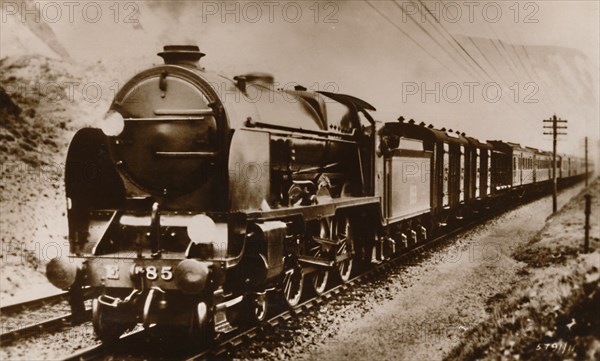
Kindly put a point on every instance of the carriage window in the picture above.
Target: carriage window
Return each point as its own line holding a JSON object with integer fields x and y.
{"x": 411, "y": 144}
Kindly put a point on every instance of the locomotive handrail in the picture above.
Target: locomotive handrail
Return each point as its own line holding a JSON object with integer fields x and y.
{"x": 164, "y": 119}
{"x": 318, "y": 168}
{"x": 207, "y": 111}
{"x": 187, "y": 154}
{"x": 325, "y": 133}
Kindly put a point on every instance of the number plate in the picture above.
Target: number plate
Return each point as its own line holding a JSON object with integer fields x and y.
{"x": 153, "y": 273}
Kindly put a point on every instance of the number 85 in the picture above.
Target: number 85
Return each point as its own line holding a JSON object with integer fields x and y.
{"x": 166, "y": 273}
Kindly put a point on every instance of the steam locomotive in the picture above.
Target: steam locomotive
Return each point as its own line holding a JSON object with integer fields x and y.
{"x": 198, "y": 197}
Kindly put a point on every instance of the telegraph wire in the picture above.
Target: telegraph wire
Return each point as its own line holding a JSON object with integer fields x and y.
{"x": 524, "y": 70}
{"x": 459, "y": 43}
{"x": 503, "y": 48}
{"x": 510, "y": 106}
{"x": 454, "y": 39}
{"x": 481, "y": 52}
{"x": 470, "y": 40}
{"x": 512, "y": 68}
{"x": 435, "y": 41}
{"x": 545, "y": 87}
{"x": 514, "y": 47}
{"x": 502, "y": 78}
{"x": 409, "y": 37}
{"x": 536, "y": 72}
{"x": 502, "y": 55}
{"x": 445, "y": 38}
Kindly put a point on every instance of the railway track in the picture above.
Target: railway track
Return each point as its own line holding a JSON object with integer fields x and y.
{"x": 48, "y": 325}
{"x": 127, "y": 346}
{"x": 135, "y": 345}
{"x": 36, "y": 303}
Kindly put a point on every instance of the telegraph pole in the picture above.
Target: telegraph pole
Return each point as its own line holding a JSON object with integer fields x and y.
{"x": 586, "y": 162}
{"x": 555, "y": 127}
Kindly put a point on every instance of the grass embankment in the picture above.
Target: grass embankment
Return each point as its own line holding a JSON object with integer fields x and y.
{"x": 553, "y": 310}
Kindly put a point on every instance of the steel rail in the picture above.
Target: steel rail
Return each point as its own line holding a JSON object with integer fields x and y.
{"x": 35, "y": 303}
{"x": 52, "y": 324}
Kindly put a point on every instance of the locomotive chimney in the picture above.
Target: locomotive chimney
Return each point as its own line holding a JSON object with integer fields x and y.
{"x": 181, "y": 54}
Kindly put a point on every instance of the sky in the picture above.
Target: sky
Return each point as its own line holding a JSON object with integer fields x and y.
{"x": 492, "y": 69}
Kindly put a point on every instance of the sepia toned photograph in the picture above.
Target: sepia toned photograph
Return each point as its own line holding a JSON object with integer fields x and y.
{"x": 305, "y": 180}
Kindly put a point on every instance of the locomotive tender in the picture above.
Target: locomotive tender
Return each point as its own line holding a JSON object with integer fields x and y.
{"x": 208, "y": 194}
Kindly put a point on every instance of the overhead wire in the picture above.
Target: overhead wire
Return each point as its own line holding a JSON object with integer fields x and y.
{"x": 514, "y": 48}
{"x": 512, "y": 66}
{"x": 511, "y": 105}
{"x": 452, "y": 37}
{"x": 410, "y": 37}
{"x": 534, "y": 69}
{"x": 470, "y": 39}
{"x": 545, "y": 89}
{"x": 473, "y": 74}
{"x": 518, "y": 65}
{"x": 435, "y": 41}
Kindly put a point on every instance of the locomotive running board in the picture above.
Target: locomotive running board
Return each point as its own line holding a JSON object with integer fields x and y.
{"x": 316, "y": 261}
{"x": 327, "y": 242}
{"x": 314, "y": 211}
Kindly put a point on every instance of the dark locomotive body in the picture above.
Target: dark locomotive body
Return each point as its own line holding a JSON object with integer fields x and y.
{"x": 201, "y": 196}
